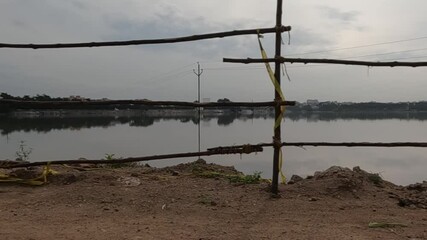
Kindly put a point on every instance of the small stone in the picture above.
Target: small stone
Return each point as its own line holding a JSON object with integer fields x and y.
{"x": 295, "y": 179}
{"x": 175, "y": 173}
{"x": 313, "y": 199}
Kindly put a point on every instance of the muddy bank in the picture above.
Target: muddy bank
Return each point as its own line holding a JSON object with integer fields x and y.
{"x": 207, "y": 201}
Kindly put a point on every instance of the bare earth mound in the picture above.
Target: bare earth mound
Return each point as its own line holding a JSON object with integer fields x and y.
{"x": 207, "y": 201}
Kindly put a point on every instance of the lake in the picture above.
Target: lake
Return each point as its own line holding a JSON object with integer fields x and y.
{"x": 91, "y": 137}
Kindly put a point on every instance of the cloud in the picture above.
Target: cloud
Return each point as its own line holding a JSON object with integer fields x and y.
{"x": 130, "y": 72}
{"x": 336, "y": 14}
{"x": 170, "y": 22}
{"x": 306, "y": 40}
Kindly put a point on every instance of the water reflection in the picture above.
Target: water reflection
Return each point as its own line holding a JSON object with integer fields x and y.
{"x": 128, "y": 134}
{"x": 46, "y": 122}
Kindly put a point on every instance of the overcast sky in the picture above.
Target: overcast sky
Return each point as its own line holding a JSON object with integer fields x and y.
{"x": 165, "y": 72}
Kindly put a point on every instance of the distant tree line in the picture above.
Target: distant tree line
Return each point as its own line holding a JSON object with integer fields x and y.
{"x": 38, "y": 97}
{"x": 317, "y": 107}
{"x": 361, "y": 107}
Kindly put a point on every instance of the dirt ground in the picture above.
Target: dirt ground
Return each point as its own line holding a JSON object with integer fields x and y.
{"x": 206, "y": 201}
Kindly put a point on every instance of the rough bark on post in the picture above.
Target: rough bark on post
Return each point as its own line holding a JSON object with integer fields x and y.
{"x": 277, "y": 98}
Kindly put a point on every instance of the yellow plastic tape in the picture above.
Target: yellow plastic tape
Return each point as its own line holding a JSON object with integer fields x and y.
{"x": 38, "y": 181}
{"x": 274, "y": 81}
{"x": 282, "y": 97}
{"x": 282, "y": 175}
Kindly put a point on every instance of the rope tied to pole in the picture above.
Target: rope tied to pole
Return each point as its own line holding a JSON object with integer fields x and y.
{"x": 276, "y": 142}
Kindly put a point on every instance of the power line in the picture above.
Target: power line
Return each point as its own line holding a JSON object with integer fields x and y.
{"x": 198, "y": 74}
{"x": 360, "y": 46}
{"x": 389, "y": 53}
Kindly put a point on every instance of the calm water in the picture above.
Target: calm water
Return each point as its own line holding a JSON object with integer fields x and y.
{"x": 93, "y": 137}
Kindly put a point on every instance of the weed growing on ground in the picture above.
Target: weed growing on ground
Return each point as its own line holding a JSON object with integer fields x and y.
{"x": 375, "y": 178}
{"x": 23, "y": 152}
{"x": 246, "y": 179}
{"x": 110, "y": 156}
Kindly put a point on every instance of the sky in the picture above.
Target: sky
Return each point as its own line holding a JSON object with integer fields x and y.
{"x": 375, "y": 30}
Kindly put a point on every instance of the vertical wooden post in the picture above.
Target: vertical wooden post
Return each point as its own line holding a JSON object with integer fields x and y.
{"x": 277, "y": 130}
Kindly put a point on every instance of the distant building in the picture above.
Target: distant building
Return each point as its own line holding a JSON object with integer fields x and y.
{"x": 313, "y": 102}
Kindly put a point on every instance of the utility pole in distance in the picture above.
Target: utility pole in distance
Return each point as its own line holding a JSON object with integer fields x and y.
{"x": 198, "y": 74}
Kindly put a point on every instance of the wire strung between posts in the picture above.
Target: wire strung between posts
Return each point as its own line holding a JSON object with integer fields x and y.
{"x": 148, "y": 41}
{"x": 223, "y": 150}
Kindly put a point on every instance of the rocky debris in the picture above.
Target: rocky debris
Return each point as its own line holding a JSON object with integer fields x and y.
{"x": 414, "y": 196}
{"x": 66, "y": 178}
{"x": 418, "y": 186}
{"x": 295, "y": 179}
{"x": 129, "y": 181}
{"x": 24, "y": 173}
{"x": 200, "y": 161}
{"x": 198, "y": 166}
{"x": 342, "y": 182}
{"x": 337, "y": 182}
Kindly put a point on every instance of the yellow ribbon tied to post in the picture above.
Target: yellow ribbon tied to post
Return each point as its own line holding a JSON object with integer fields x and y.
{"x": 282, "y": 98}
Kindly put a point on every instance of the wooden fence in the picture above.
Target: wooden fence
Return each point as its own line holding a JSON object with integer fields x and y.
{"x": 278, "y": 102}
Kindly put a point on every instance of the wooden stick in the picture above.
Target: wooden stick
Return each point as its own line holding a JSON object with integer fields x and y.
{"x": 327, "y": 61}
{"x": 239, "y": 149}
{"x": 341, "y": 144}
{"x": 148, "y": 41}
{"x": 244, "y": 149}
{"x": 357, "y": 144}
{"x": 277, "y": 97}
{"x": 19, "y": 104}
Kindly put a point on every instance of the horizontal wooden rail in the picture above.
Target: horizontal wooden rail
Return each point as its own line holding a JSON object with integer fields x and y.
{"x": 340, "y": 144}
{"x": 148, "y": 41}
{"x": 20, "y": 104}
{"x": 236, "y": 149}
{"x": 357, "y": 144}
{"x": 244, "y": 149}
{"x": 326, "y": 61}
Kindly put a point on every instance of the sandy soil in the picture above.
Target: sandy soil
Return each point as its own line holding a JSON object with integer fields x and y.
{"x": 205, "y": 201}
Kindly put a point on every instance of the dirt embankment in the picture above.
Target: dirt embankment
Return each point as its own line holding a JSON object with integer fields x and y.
{"x": 207, "y": 201}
